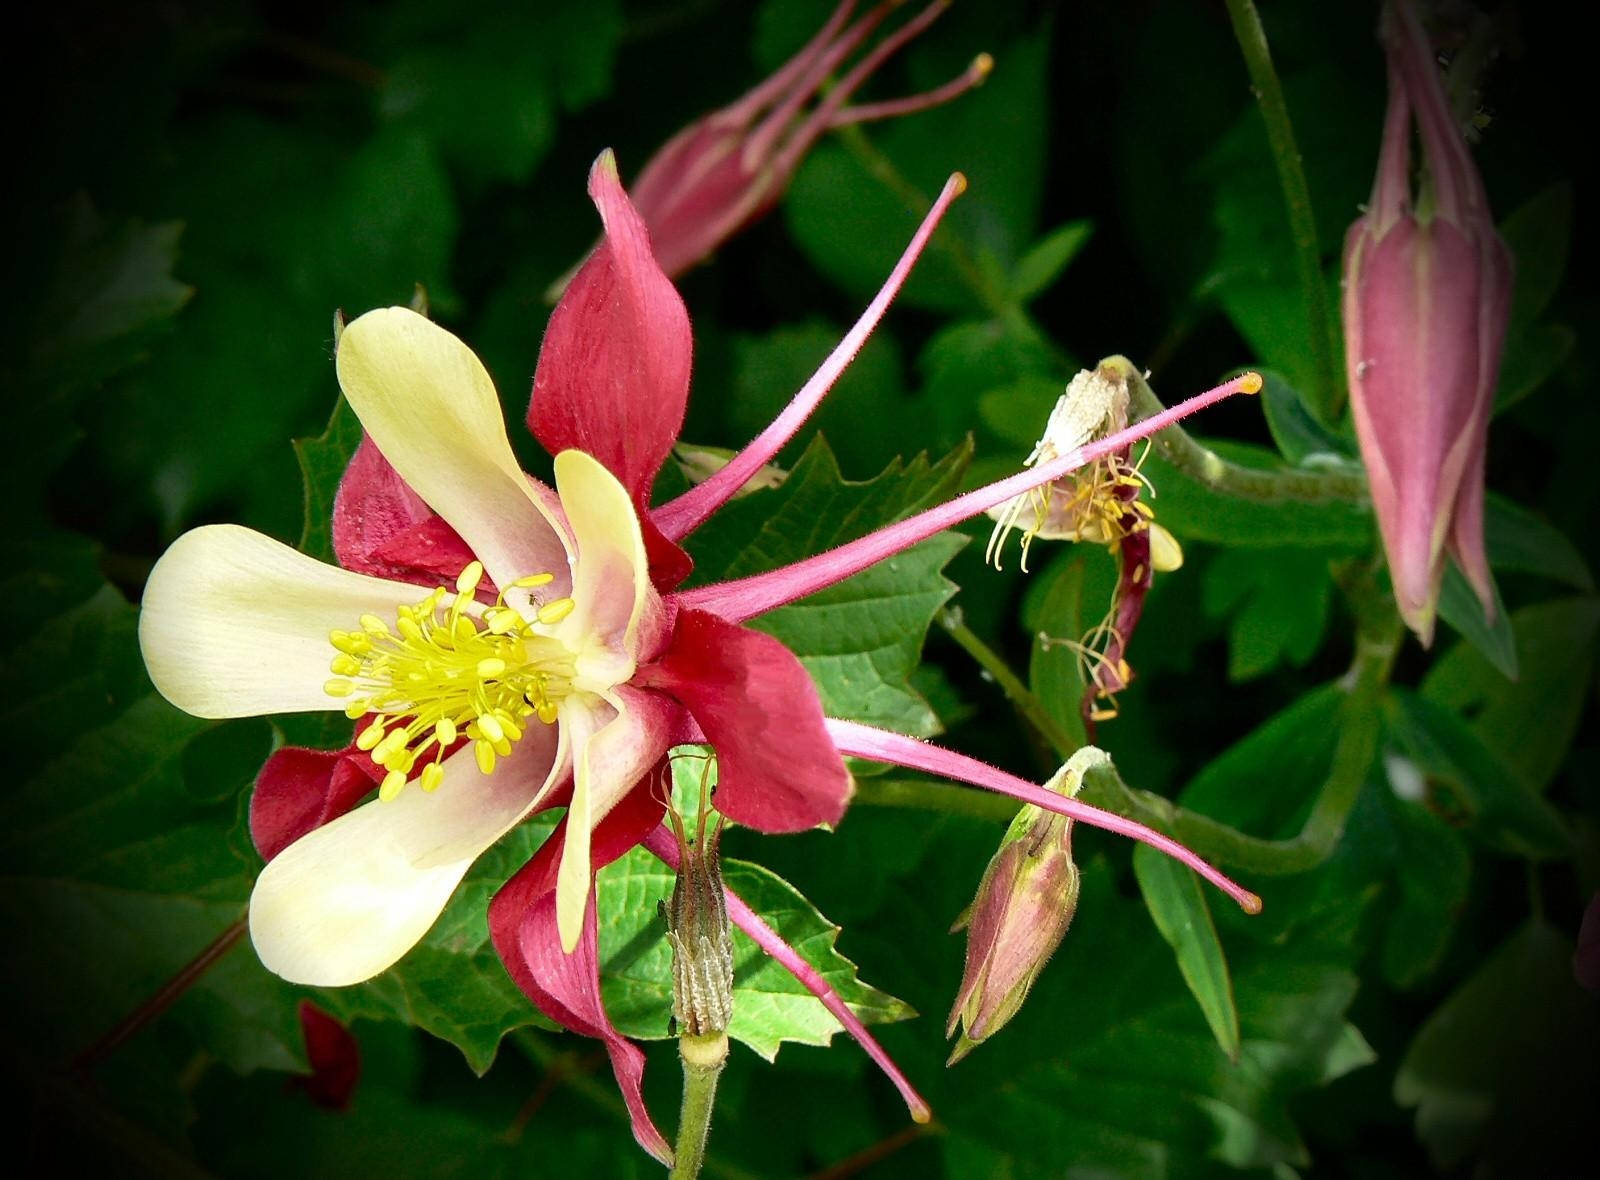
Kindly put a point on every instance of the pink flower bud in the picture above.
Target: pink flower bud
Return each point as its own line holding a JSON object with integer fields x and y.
{"x": 726, "y": 169}
{"x": 1024, "y": 905}
{"x": 1427, "y": 292}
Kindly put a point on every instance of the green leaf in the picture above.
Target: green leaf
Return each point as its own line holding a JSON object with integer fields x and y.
{"x": 1539, "y": 233}
{"x": 1503, "y": 1074}
{"x": 322, "y": 463}
{"x": 770, "y": 1006}
{"x": 1055, "y": 674}
{"x": 1499, "y": 808}
{"x": 1531, "y": 359}
{"x": 1518, "y": 540}
{"x": 1276, "y": 602}
{"x": 971, "y": 357}
{"x": 1178, "y": 908}
{"x": 1433, "y": 871}
{"x": 1042, "y": 265}
{"x": 1528, "y": 723}
{"x": 1459, "y": 606}
{"x": 1296, "y": 430}
{"x": 861, "y": 639}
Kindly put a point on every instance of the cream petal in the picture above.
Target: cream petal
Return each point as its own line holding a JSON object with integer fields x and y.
{"x": 1166, "y": 554}
{"x": 235, "y": 624}
{"x": 615, "y": 602}
{"x": 615, "y": 743}
{"x": 345, "y": 902}
{"x": 430, "y": 406}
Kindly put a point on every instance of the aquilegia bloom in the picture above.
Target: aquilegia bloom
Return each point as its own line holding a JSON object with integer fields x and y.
{"x": 1427, "y": 294}
{"x": 506, "y": 647}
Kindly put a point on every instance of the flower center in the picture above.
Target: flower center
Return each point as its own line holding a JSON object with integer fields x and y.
{"x": 443, "y": 673}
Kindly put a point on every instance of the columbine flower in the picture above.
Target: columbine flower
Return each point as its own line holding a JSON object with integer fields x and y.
{"x": 1427, "y": 294}
{"x": 1025, "y": 903}
{"x": 1099, "y": 502}
{"x": 730, "y": 167}
{"x": 517, "y": 647}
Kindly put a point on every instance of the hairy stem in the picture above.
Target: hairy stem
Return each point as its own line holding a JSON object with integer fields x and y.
{"x": 1021, "y": 697}
{"x": 703, "y": 1059}
{"x": 1323, "y": 341}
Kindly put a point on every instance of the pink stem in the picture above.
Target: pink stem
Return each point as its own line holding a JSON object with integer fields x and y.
{"x": 683, "y": 515}
{"x": 745, "y": 598}
{"x": 864, "y": 741}
{"x": 665, "y": 847}
{"x": 893, "y": 108}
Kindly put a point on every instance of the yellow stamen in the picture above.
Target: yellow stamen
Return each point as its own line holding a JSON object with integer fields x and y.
{"x": 447, "y": 667}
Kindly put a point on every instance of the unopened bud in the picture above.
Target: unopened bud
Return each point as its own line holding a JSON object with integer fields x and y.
{"x": 1024, "y": 905}
{"x": 702, "y": 944}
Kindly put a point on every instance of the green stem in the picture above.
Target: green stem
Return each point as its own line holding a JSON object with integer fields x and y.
{"x": 1022, "y": 699}
{"x": 703, "y": 1059}
{"x": 1264, "y": 486}
{"x": 1323, "y": 341}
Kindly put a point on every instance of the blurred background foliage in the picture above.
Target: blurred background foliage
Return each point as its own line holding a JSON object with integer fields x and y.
{"x": 199, "y": 186}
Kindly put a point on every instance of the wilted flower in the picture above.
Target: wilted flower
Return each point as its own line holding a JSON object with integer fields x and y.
{"x": 728, "y": 168}
{"x": 1024, "y": 905}
{"x": 1427, "y": 293}
{"x": 539, "y": 653}
{"x": 1100, "y": 502}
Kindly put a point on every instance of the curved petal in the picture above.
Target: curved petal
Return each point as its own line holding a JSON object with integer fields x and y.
{"x": 617, "y": 612}
{"x": 235, "y": 624}
{"x": 614, "y": 745}
{"x": 346, "y": 901}
{"x": 381, "y": 527}
{"x": 299, "y": 790}
{"x": 430, "y": 407}
{"x": 613, "y": 375}
{"x": 566, "y": 987}
{"x": 777, "y": 768}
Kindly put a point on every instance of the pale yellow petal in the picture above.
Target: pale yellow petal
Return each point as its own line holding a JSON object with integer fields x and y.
{"x": 235, "y": 624}
{"x": 345, "y": 902}
{"x": 430, "y": 407}
{"x": 1166, "y": 554}
{"x": 615, "y": 743}
{"x": 615, "y": 604}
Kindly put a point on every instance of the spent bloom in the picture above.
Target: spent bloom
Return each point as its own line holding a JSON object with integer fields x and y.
{"x": 728, "y": 168}
{"x": 1025, "y": 903}
{"x": 1427, "y": 294}
{"x": 1102, "y": 502}
{"x": 505, "y": 647}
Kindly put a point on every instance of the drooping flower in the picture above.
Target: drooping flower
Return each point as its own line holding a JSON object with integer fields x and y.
{"x": 1427, "y": 295}
{"x": 728, "y": 168}
{"x": 1101, "y": 502}
{"x": 506, "y": 647}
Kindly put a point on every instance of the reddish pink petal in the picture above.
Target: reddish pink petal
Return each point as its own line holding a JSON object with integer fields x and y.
{"x": 613, "y": 376}
{"x": 566, "y": 988}
{"x": 777, "y": 769}
{"x": 334, "y": 1055}
{"x": 299, "y": 790}
{"x": 381, "y": 527}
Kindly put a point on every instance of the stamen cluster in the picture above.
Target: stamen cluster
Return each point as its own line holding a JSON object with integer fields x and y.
{"x": 453, "y": 671}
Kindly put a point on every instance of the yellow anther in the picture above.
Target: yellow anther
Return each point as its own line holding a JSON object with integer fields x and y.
{"x": 373, "y": 625}
{"x": 462, "y": 630}
{"x": 534, "y": 580}
{"x": 409, "y": 628}
{"x": 546, "y": 712}
{"x": 444, "y": 731}
{"x": 554, "y": 612}
{"x": 484, "y": 753}
{"x": 490, "y": 727}
{"x": 469, "y": 578}
{"x": 356, "y": 709}
{"x": 1250, "y": 383}
{"x": 432, "y": 776}
{"x": 391, "y": 785}
{"x": 393, "y": 742}
{"x": 513, "y": 731}
{"x": 345, "y": 665}
{"x": 503, "y": 747}
{"x": 338, "y": 688}
{"x": 490, "y": 668}
{"x": 501, "y": 620}
{"x": 370, "y": 737}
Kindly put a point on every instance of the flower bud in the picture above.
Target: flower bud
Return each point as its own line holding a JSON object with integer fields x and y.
{"x": 1427, "y": 295}
{"x": 1024, "y": 905}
